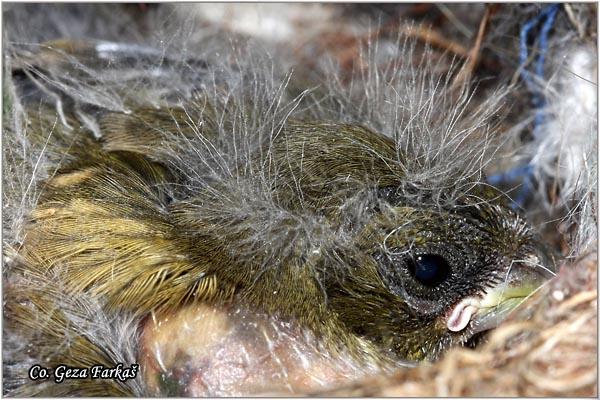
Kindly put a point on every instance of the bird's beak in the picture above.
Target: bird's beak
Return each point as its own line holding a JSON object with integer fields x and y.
{"x": 521, "y": 282}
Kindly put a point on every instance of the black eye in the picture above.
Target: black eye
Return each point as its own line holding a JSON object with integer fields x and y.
{"x": 429, "y": 269}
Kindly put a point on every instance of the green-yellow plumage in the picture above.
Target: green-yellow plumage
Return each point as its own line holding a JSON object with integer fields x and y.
{"x": 316, "y": 224}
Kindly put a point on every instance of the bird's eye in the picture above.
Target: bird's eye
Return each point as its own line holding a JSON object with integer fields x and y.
{"x": 429, "y": 269}
{"x": 423, "y": 279}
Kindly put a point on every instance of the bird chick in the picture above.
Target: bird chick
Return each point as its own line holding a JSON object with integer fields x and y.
{"x": 232, "y": 222}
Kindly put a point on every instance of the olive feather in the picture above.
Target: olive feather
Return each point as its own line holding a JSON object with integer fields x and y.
{"x": 310, "y": 222}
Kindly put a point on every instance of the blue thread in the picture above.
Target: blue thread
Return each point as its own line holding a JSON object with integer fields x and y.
{"x": 510, "y": 175}
{"x": 538, "y": 101}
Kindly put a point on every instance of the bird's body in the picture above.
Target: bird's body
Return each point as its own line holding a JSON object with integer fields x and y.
{"x": 118, "y": 226}
{"x": 230, "y": 222}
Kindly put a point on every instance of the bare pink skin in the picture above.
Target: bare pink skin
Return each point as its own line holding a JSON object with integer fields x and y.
{"x": 204, "y": 350}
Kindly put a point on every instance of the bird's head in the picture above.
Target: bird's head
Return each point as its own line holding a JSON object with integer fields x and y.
{"x": 438, "y": 275}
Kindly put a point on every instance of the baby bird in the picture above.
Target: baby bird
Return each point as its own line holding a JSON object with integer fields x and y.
{"x": 177, "y": 236}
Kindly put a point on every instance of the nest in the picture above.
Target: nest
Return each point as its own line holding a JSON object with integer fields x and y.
{"x": 549, "y": 349}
